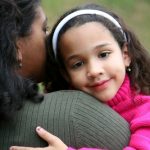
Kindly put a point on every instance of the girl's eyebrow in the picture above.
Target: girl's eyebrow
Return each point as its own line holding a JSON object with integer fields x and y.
{"x": 71, "y": 58}
{"x": 101, "y": 45}
{"x": 98, "y": 46}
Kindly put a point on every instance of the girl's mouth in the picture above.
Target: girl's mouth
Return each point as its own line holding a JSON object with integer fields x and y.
{"x": 101, "y": 85}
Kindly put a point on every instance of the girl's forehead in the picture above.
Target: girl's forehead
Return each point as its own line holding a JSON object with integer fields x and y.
{"x": 87, "y": 36}
{"x": 92, "y": 28}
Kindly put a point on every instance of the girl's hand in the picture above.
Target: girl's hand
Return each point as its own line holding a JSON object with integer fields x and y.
{"x": 54, "y": 143}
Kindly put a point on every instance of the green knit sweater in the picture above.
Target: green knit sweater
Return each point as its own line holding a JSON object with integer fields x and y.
{"x": 77, "y": 118}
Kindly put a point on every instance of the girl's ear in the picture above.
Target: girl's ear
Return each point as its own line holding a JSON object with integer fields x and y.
{"x": 126, "y": 56}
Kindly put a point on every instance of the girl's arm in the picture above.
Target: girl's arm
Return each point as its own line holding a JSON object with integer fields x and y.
{"x": 54, "y": 143}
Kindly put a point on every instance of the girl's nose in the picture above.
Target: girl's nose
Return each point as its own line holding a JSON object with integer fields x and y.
{"x": 94, "y": 70}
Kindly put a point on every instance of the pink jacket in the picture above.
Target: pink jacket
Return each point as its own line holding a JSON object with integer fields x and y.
{"x": 136, "y": 110}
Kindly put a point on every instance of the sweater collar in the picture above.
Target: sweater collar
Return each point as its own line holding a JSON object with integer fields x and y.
{"x": 123, "y": 94}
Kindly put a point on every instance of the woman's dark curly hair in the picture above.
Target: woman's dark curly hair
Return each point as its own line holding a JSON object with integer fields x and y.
{"x": 140, "y": 57}
{"x": 16, "y": 17}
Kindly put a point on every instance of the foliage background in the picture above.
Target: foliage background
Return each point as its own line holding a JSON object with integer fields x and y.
{"x": 135, "y": 13}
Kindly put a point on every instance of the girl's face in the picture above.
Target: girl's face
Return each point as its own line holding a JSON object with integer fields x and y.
{"x": 93, "y": 60}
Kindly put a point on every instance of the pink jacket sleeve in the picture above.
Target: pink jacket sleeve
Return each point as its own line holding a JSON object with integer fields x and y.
{"x": 140, "y": 133}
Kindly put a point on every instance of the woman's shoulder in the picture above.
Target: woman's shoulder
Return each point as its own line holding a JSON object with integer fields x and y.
{"x": 73, "y": 116}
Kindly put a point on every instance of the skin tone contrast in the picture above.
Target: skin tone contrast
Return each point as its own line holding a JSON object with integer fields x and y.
{"x": 93, "y": 60}
{"x": 31, "y": 49}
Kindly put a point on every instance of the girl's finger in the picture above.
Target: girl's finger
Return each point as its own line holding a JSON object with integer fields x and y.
{"x": 48, "y": 137}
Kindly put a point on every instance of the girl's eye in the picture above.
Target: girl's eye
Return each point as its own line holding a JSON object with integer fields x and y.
{"x": 103, "y": 54}
{"x": 77, "y": 65}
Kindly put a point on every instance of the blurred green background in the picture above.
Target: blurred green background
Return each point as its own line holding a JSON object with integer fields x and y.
{"x": 136, "y": 13}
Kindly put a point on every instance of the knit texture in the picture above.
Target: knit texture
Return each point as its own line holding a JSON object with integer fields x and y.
{"x": 77, "y": 118}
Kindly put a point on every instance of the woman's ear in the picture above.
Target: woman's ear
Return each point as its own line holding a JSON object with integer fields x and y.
{"x": 19, "y": 55}
{"x": 126, "y": 56}
{"x": 19, "y": 45}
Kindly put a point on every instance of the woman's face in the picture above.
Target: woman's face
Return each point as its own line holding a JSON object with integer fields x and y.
{"x": 32, "y": 49}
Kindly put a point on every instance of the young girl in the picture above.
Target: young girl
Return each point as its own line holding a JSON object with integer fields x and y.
{"x": 98, "y": 54}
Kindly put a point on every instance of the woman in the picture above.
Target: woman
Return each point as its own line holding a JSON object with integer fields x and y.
{"x": 23, "y": 26}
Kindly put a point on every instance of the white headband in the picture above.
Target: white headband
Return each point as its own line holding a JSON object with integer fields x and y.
{"x": 77, "y": 13}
